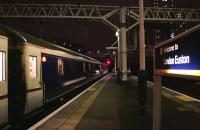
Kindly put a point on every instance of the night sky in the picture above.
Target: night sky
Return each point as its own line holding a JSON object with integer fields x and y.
{"x": 94, "y": 35}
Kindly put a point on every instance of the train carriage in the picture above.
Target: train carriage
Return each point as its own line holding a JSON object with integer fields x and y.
{"x": 39, "y": 72}
{"x": 3, "y": 80}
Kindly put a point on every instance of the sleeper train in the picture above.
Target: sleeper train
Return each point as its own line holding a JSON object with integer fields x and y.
{"x": 34, "y": 72}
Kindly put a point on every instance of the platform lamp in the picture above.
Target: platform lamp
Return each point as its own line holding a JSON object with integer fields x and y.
{"x": 118, "y": 50}
{"x": 115, "y": 48}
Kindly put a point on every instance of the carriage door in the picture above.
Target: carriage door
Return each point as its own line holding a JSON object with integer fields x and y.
{"x": 3, "y": 80}
{"x": 34, "y": 87}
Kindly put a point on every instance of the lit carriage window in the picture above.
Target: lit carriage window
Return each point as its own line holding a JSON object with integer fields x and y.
{"x": 60, "y": 67}
{"x": 2, "y": 66}
{"x": 32, "y": 67}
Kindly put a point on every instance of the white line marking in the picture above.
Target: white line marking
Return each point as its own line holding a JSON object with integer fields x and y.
{"x": 135, "y": 77}
{"x": 38, "y": 124}
{"x": 73, "y": 81}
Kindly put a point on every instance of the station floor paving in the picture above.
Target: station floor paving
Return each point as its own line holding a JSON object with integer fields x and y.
{"x": 112, "y": 105}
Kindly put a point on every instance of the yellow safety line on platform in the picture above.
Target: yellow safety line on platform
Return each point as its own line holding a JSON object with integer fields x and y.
{"x": 188, "y": 103}
{"x": 73, "y": 121}
{"x": 184, "y": 98}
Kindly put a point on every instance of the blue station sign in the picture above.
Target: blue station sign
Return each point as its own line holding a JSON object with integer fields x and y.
{"x": 179, "y": 55}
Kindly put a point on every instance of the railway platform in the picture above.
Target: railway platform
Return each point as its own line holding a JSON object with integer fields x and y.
{"x": 111, "y": 105}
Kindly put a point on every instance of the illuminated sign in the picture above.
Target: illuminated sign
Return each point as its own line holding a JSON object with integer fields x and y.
{"x": 180, "y": 56}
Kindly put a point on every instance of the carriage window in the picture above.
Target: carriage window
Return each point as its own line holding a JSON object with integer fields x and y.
{"x": 60, "y": 67}
{"x": 2, "y": 66}
{"x": 84, "y": 70}
{"x": 32, "y": 67}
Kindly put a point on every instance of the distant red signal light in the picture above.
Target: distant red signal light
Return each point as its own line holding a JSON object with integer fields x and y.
{"x": 108, "y": 61}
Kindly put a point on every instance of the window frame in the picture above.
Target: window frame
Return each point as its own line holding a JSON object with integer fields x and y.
{"x": 3, "y": 74}
{"x": 60, "y": 63}
{"x": 36, "y": 68}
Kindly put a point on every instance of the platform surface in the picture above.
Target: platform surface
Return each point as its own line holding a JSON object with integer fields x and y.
{"x": 111, "y": 105}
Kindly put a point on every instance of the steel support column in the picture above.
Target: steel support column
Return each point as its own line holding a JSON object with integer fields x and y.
{"x": 118, "y": 55}
{"x": 135, "y": 38}
{"x": 142, "y": 78}
{"x": 123, "y": 50}
{"x": 115, "y": 69}
{"x": 157, "y": 102}
{"x": 118, "y": 58}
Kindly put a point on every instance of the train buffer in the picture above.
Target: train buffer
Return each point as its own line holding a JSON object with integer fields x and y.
{"x": 110, "y": 105}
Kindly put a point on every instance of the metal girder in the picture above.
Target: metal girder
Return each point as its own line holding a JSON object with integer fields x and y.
{"x": 167, "y": 14}
{"x": 55, "y": 11}
{"x": 95, "y": 11}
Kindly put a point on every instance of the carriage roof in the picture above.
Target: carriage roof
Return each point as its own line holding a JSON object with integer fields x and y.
{"x": 23, "y": 38}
